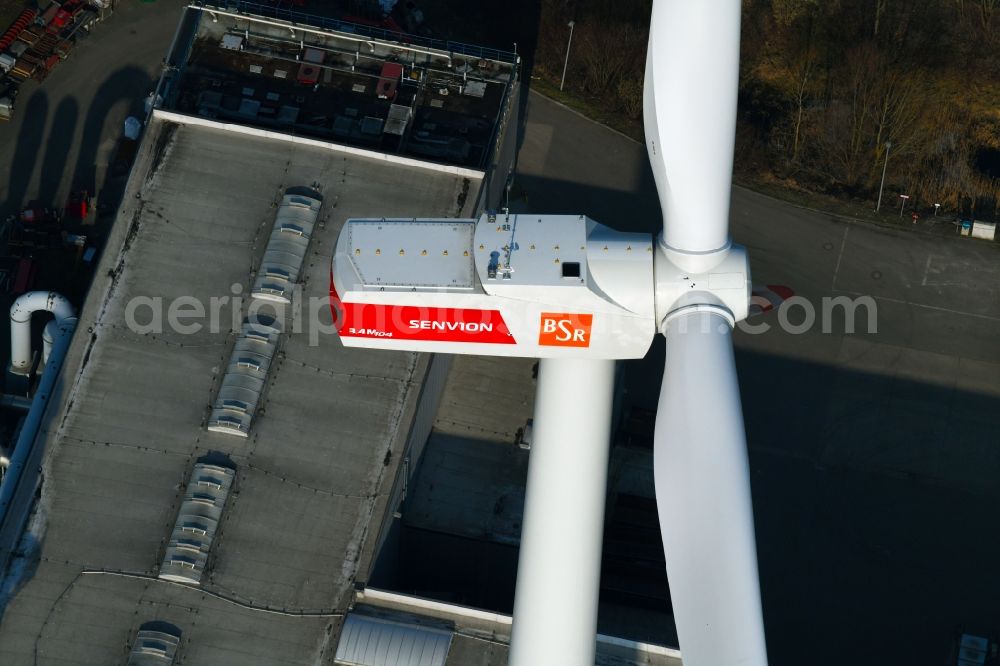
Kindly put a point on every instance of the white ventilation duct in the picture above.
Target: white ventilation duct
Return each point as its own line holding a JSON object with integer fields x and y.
{"x": 20, "y": 325}
{"x": 48, "y": 337}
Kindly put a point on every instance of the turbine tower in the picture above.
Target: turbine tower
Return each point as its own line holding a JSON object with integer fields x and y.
{"x": 578, "y": 296}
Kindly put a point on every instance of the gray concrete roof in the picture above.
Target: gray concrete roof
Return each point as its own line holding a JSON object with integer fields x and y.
{"x": 133, "y": 408}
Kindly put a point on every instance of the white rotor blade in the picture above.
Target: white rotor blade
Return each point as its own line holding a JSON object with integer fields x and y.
{"x": 689, "y": 114}
{"x": 703, "y": 497}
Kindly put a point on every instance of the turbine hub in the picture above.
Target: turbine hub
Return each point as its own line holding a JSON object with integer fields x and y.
{"x": 693, "y": 281}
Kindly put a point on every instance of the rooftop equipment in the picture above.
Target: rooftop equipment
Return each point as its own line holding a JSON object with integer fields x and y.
{"x": 153, "y": 648}
{"x": 388, "y": 81}
{"x": 21, "y": 355}
{"x": 286, "y": 248}
{"x": 245, "y": 378}
{"x": 197, "y": 522}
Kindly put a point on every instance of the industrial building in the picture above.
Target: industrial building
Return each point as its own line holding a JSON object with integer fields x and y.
{"x": 231, "y": 492}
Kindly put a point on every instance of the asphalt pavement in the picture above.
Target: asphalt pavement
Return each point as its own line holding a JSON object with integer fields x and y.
{"x": 874, "y": 455}
{"x": 65, "y": 129}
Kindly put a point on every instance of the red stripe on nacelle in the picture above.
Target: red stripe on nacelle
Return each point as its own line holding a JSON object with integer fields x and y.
{"x": 413, "y": 322}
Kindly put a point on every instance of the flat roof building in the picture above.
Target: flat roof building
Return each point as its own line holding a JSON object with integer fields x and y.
{"x": 131, "y": 421}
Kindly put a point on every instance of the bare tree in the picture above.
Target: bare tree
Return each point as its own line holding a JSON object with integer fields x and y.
{"x": 896, "y": 109}
{"x": 864, "y": 63}
{"x": 879, "y": 10}
{"x": 803, "y": 76}
{"x": 609, "y": 52}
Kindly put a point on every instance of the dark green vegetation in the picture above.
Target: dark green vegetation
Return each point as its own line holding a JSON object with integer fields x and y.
{"x": 825, "y": 85}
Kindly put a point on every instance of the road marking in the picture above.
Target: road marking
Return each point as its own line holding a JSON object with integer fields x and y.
{"x": 840, "y": 255}
{"x": 933, "y": 284}
{"x": 927, "y": 269}
{"x": 926, "y": 307}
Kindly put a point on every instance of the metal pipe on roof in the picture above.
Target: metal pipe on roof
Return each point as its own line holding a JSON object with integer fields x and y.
{"x": 328, "y": 33}
{"x": 20, "y": 323}
{"x": 357, "y": 55}
{"x": 48, "y": 337}
{"x": 330, "y": 67}
{"x": 15, "y": 402}
{"x": 29, "y": 429}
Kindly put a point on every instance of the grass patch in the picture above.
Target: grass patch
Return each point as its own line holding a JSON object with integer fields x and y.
{"x": 855, "y": 209}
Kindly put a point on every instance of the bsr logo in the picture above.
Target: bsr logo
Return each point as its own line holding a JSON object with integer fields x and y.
{"x": 564, "y": 329}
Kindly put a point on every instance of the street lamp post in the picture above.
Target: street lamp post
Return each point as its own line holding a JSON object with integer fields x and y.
{"x": 562, "y": 81}
{"x": 888, "y": 145}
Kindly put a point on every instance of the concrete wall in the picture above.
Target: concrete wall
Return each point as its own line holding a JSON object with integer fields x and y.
{"x": 184, "y": 119}
{"x": 501, "y": 164}
{"x": 431, "y": 390}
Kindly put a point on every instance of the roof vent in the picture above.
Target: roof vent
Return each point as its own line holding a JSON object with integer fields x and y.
{"x": 245, "y": 378}
{"x": 155, "y": 645}
{"x": 286, "y": 249}
{"x": 196, "y": 524}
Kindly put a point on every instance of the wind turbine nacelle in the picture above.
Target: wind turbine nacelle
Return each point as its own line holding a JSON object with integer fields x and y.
{"x": 542, "y": 286}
